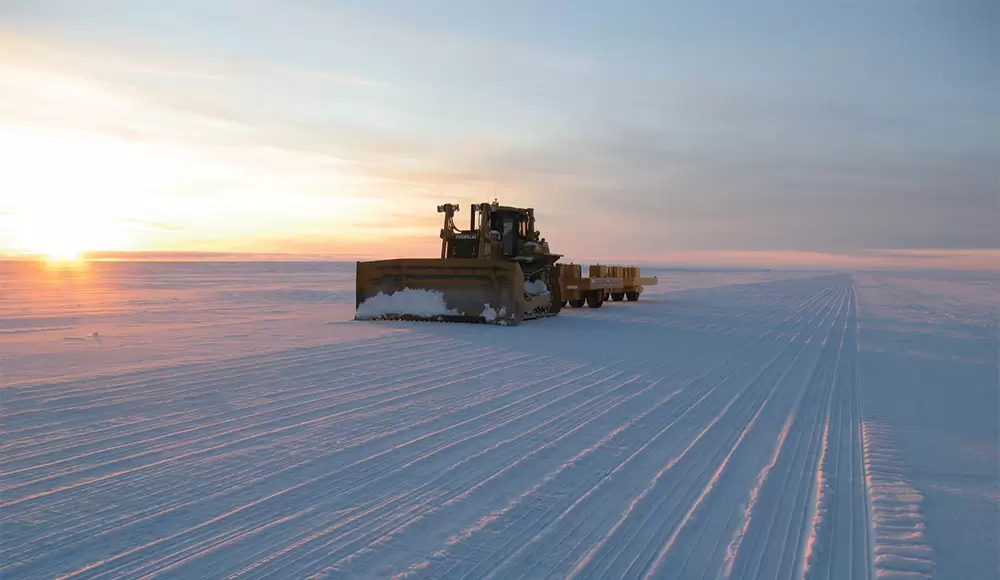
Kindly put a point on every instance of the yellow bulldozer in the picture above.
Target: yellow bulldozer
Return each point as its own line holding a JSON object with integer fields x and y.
{"x": 498, "y": 271}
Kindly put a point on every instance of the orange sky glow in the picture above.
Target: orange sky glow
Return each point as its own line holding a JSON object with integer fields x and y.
{"x": 149, "y": 153}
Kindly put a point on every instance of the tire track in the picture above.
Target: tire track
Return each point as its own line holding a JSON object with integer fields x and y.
{"x": 699, "y": 397}
{"x": 789, "y": 498}
{"x": 769, "y": 385}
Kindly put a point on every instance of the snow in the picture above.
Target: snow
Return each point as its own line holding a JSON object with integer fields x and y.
{"x": 490, "y": 314}
{"x": 232, "y": 420}
{"x": 413, "y": 301}
{"x": 929, "y": 369}
{"x": 536, "y": 287}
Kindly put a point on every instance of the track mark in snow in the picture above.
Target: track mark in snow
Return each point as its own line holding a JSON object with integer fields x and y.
{"x": 421, "y": 506}
{"x": 901, "y": 548}
{"x": 766, "y": 470}
{"x": 705, "y": 429}
{"x": 734, "y": 545}
{"x": 483, "y": 522}
{"x": 655, "y": 566}
{"x": 229, "y": 432}
{"x": 767, "y": 520}
{"x": 812, "y": 387}
{"x": 838, "y": 531}
{"x": 540, "y": 519}
{"x": 820, "y": 499}
{"x": 749, "y": 399}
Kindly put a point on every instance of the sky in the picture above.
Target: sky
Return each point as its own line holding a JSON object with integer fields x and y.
{"x": 748, "y": 132}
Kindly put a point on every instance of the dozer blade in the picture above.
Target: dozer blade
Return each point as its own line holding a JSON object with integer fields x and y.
{"x": 453, "y": 290}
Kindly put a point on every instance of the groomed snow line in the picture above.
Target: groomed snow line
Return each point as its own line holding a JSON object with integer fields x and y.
{"x": 740, "y": 426}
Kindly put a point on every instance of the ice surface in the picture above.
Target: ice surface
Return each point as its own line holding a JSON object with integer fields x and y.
{"x": 232, "y": 420}
{"x": 412, "y": 301}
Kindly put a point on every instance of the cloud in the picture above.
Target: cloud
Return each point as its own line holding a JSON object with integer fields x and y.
{"x": 184, "y": 256}
{"x": 976, "y": 259}
{"x": 147, "y": 225}
{"x": 623, "y": 143}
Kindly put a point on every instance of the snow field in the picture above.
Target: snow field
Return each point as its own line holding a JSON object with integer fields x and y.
{"x": 709, "y": 433}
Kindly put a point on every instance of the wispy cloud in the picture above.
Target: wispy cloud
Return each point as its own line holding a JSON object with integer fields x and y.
{"x": 977, "y": 259}
{"x": 178, "y": 256}
{"x": 148, "y": 225}
{"x": 357, "y": 124}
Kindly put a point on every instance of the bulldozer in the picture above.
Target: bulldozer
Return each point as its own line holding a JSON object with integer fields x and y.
{"x": 498, "y": 271}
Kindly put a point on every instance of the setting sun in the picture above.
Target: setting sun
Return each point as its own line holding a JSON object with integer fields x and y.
{"x": 74, "y": 193}
{"x": 63, "y": 237}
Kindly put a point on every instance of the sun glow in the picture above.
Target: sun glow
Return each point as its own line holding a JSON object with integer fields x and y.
{"x": 62, "y": 237}
{"x": 64, "y": 194}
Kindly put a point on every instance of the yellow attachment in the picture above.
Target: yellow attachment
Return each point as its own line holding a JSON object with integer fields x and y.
{"x": 475, "y": 290}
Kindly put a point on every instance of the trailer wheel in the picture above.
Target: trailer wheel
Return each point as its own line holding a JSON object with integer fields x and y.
{"x": 576, "y": 303}
{"x": 617, "y": 296}
{"x": 595, "y": 299}
{"x": 632, "y": 296}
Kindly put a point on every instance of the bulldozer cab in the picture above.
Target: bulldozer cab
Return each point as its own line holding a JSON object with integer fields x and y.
{"x": 512, "y": 226}
{"x": 495, "y": 232}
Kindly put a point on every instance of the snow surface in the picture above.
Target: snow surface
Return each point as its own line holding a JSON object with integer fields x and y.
{"x": 413, "y": 301}
{"x": 231, "y": 420}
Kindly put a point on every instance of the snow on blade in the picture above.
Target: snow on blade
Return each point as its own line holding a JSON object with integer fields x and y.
{"x": 410, "y": 301}
{"x": 490, "y": 314}
{"x": 536, "y": 288}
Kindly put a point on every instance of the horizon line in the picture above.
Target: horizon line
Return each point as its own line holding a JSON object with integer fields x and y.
{"x": 976, "y": 259}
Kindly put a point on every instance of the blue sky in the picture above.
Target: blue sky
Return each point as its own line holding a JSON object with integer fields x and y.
{"x": 667, "y": 126}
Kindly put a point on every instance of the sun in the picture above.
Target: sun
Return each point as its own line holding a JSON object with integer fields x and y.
{"x": 65, "y": 193}
{"x": 62, "y": 237}
{"x": 61, "y": 252}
